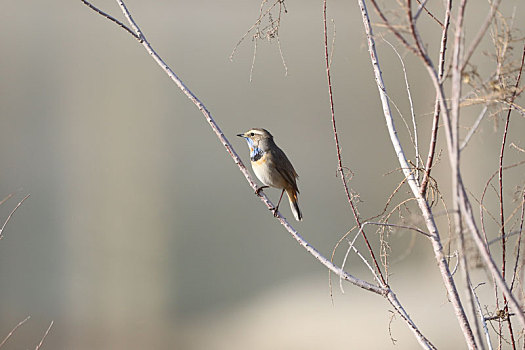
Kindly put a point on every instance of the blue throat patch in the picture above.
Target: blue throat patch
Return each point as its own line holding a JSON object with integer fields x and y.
{"x": 255, "y": 152}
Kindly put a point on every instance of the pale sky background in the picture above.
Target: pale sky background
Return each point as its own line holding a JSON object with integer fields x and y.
{"x": 140, "y": 231}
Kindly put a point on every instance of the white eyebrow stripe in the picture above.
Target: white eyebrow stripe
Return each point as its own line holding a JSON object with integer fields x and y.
{"x": 258, "y": 132}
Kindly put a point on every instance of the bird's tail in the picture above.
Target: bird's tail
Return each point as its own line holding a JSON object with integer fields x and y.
{"x": 294, "y": 205}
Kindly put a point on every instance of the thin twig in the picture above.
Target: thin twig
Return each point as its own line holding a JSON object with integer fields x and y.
{"x": 474, "y": 127}
{"x": 113, "y": 19}
{"x": 510, "y": 234}
{"x": 419, "y": 9}
{"x": 279, "y": 42}
{"x": 255, "y": 25}
{"x": 430, "y": 13}
{"x": 340, "y": 167}
{"x": 483, "y": 193}
{"x": 412, "y": 114}
{"x": 352, "y": 242}
{"x": 10, "y": 215}
{"x": 253, "y": 59}
{"x": 6, "y": 198}
{"x": 44, "y": 337}
{"x": 500, "y": 182}
{"x": 437, "y": 105}
{"x": 396, "y": 32}
{"x": 455, "y": 255}
{"x": 481, "y": 317}
{"x": 14, "y": 330}
{"x": 352, "y": 247}
{"x": 481, "y": 33}
{"x": 518, "y": 245}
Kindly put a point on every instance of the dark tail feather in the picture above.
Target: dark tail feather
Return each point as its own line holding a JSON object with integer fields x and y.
{"x": 294, "y": 205}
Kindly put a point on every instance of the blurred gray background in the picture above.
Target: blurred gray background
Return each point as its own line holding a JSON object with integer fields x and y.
{"x": 140, "y": 231}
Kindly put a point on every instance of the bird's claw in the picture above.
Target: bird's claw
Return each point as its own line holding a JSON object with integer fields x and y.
{"x": 259, "y": 189}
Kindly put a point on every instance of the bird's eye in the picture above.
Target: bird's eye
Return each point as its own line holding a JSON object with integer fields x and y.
{"x": 252, "y": 134}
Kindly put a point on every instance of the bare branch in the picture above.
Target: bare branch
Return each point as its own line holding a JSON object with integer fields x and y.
{"x": 412, "y": 114}
{"x": 437, "y": 105}
{"x": 44, "y": 337}
{"x": 6, "y": 198}
{"x": 419, "y": 9}
{"x": 10, "y": 215}
{"x": 500, "y": 182}
{"x": 481, "y": 317}
{"x": 14, "y": 330}
{"x": 111, "y": 18}
{"x": 481, "y": 33}
{"x": 396, "y": 32}
{"x": 518, "y": 244}
{"x": 474, "y": 127}
{"x": 422, "y": 6}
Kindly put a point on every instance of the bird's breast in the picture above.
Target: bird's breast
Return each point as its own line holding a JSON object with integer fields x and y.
{"x": 268, "y": 175}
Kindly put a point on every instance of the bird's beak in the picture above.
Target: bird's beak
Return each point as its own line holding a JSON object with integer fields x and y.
{"x": 240, "y": 135}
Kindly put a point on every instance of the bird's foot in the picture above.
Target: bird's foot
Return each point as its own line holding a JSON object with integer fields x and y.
{"x": 259, "y": 189}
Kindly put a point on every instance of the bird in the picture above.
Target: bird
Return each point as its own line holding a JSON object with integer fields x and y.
{"x": 272, "y": 167}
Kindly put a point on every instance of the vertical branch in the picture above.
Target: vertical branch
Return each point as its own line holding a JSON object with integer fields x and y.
{"x": 340, "y": 167}
{"x": 518, "y": 244}
{"x": 437, "y": 106}
{"x": 454, "y": 154}
{"x": 423, "y": 204}
{"x": 500, "y": 182}
{"x": 429, "y": 163}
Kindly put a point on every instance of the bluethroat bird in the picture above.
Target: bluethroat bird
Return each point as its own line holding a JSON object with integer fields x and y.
{"x": 272, "y": 167}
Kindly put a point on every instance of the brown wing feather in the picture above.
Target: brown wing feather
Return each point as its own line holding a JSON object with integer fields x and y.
{"x": 284, "y": 167}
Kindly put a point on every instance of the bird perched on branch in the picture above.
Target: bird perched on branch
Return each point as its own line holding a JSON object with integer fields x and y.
{"x": 272, "y": 167}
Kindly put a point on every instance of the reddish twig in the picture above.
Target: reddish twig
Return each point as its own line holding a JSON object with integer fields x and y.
{"x": 340, "y": 167}
{"x": 437, "y": 106}
{"x": 500, "y": 182}
{"x": 422, "y": 6}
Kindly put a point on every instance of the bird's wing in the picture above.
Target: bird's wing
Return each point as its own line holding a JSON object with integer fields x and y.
{"x": 285, "y": 167}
